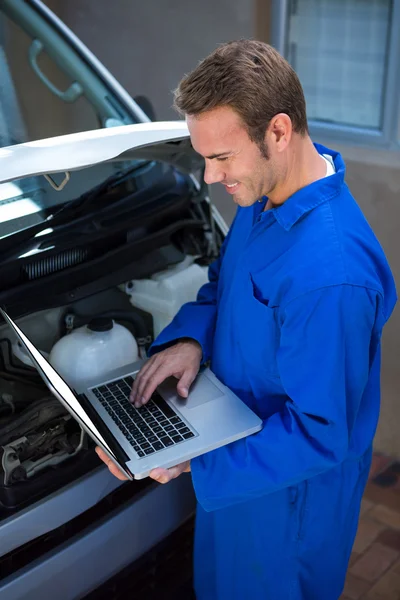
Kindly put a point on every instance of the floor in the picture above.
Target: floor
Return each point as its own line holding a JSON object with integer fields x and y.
{"x": 374, "y": 571}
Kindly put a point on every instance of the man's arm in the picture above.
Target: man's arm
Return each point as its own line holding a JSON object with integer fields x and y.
{"x": 175, "y": 351}
{"x": 195, "y": 320}
{"x": 328, "y": 343}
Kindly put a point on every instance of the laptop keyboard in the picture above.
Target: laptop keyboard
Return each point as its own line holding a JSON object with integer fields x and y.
{"x": 150, "y": 428}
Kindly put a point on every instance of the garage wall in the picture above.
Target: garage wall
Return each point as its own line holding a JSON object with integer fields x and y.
{"x": 374, "y": 179}
{"x": 152, "y": 44}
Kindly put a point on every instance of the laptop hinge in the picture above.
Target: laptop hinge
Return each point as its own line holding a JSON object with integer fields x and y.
{"x": 116, "y": 448}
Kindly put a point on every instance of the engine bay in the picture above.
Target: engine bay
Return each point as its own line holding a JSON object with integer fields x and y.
{"x": 41, "y": 445}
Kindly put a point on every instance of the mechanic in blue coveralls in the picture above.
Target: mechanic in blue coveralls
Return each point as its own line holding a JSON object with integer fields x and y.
{"x": 291, "y": 321}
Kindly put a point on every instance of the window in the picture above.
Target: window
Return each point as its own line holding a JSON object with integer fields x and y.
{"x": 398, "y": 126}
{"x": 28, "y": 110}
{"x": 33, "y": 105}
{"x": 346, "y": 53}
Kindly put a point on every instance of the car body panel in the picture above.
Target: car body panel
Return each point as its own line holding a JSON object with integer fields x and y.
{"x": 87, "y": 148}
{"x": 90, "y": 558}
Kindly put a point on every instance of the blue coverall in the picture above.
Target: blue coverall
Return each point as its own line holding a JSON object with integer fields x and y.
{"x": 291, "y": 320}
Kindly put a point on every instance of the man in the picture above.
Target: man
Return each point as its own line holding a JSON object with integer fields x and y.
{"x": 291, "y": 320}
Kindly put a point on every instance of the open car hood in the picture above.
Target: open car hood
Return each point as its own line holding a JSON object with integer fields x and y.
{"x": 109, "y": 233}
{"x": 166, "y": 141}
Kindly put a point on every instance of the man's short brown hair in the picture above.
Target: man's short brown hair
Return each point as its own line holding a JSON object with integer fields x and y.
{"x": 252, "y": 78}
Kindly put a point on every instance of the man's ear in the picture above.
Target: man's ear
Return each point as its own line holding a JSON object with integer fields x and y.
{"x": 279, "y": 131}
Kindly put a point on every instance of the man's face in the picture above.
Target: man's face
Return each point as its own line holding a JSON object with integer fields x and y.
{"x": 231, "y": 158}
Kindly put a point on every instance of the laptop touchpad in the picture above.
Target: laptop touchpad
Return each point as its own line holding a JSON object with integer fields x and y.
{"x": 201, "y": 391}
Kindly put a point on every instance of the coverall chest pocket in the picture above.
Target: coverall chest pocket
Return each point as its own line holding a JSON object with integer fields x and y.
{"x": 261, "y": 330}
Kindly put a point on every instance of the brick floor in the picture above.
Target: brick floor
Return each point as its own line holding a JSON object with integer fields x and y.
{"x": 374, "y": 568}
{"x": 375, "y": 561}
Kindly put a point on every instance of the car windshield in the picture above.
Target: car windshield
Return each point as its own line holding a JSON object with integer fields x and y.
{"x": 30, "y": 109}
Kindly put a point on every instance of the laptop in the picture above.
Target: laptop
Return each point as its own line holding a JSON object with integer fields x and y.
{"x": 168, "y": 430}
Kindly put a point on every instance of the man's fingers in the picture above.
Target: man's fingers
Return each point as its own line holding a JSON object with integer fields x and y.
{"x": 139, "y": 376}
{"x": 111, "y": 466}
{"x": 102, "y": 455}
{"x": 156, "y": 374}
{"x": 161, "y": 475}
{"x": 165, "y": 475}
{"x": 185, "y": 382}
{"x": 143, "y": 382}
{"x": 153, "y": 377}
{"x": 181, "y": 360}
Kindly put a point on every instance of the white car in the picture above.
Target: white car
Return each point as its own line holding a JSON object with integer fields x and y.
{"x": 111, "y": 222}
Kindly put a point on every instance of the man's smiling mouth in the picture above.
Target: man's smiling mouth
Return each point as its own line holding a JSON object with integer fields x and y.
{"x": 232, "y": 187}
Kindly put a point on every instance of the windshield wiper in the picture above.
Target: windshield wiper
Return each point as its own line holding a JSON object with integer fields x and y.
{"x": 73, "y": 211}
{"x": 83, "y": 202}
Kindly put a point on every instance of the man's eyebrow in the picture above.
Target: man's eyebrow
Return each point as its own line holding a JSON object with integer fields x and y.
{"x": 218, "y": 155}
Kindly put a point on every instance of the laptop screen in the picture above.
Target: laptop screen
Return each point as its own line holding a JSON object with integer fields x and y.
{"x": 91, "y": 423}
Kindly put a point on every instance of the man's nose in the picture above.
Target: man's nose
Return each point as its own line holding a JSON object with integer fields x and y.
{"x": 213, "y": 173}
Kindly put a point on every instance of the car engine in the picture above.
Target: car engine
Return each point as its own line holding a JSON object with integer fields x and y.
{"x": 36, "y": 432}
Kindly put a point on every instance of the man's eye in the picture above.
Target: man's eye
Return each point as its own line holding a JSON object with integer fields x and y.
{"x": 222, "y": 158}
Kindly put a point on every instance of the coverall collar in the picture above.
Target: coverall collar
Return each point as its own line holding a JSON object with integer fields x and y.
{"x": 311, "y": 196}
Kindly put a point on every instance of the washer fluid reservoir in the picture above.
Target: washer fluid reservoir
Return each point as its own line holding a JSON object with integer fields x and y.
{"x": 164, "y": 293}
{"x": 93, "y": 350}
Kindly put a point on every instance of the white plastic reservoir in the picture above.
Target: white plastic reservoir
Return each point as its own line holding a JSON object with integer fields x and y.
{"x": 93, "y": 350}
{"x": 164, "y": 293}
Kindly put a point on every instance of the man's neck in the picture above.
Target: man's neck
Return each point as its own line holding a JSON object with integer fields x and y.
{"x": 304, "y": 166}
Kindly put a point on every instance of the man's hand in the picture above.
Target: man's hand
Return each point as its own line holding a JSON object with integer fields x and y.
{"x": 165, "y": 475}
{"x": 111, "y": 466}
{"x": 182, "y": 360}
{"x": 160, "y": 475}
